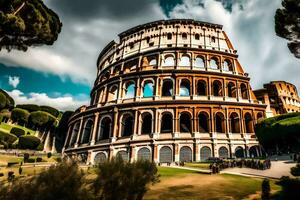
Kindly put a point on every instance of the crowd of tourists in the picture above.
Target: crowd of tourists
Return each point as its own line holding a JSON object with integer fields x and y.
{"x": 221, "y": 164}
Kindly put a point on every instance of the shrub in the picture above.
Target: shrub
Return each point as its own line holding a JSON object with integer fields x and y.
{"x": 50, "y": 110}
{"x": 295, "y": 171}
{"x": 9, "y": 164}
{"x": 17, "y": 131}
{"x": 1, "y": 174}
{"x": 119, "y": 180}
{"x": 26, "y": 156}
{"x": 20, "y": 116}
{"x": 39, "y": 159}
{"x": 11, "y": 175}
{"x": 63, "y": 181}
{"x": 49, "y": 154}
{"x": 7, "y": 137}
{"x": 290, "y": 187}
{"x": 28, "y": 142}
{"x": 265, "y": 189}
{"x": 29, "y": 107}
{"x": 20, "y": 170}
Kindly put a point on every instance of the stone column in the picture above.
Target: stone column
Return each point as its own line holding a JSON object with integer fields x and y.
{"x": 136, "y": 120}
{"x": 79, "y": 132}
{"x": 94, "y": 134}
{"x": 115, "y": 124}
{"x": 69, "y": 135}
{"x": 176, "y": 153}
{"x": 155, "y": 153}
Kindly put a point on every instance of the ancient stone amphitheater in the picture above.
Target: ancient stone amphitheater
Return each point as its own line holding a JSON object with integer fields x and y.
{"x": 167, "y": 91}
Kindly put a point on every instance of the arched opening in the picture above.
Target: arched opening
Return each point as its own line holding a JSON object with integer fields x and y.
{"x": 185, "y": 88}
{"x": 214, "y": 63}
{"x": 153, "y": 62}
{"x": 239, "y": 152}
{"x": 248, "y": 123}
{"x": 197, "y": 37}
{"x": 112, "y": 93}
{"x": 185, "y": 61}
{"x": 117, "y": 70}
{"x": 127, "y": 125}
{"x": 148, "y": 89}
{"x": 185, "y": 123}
{"x": 100, "y": 158}
{"x": 199, "y": 62}
{"x": 254, "y": 151}
{"x": 87, "y": 132}
{"x": 217, "y": 88}
{"x": 201, "y": 88}
{"x": 185, "y": 154}
{"x": 223, "y": 152}
{"x": 219, "y": 122}
{"x": 167, "y": 88}
{"x": 124, "y": 155}
{"x": 74, "y": 134}
{"x": 105, "y": 128}
{"x": 144, "y": 154}
{"x": 166, "y": 123}
{"x": 244, "y": 91}
{"x": 234, "y": 123}
{"x": 169, "y": 61}
{"x": 231, "y": 90}
{"x": 184, "y": 36}
{"x": 205, "y": 153}
{"x": 169, "y": 36}
{"x": 227, "y": 66}
{"x": 130, "y": 90}
{"x": 203, "y": 122}
{"x": 146, "y": 123}
{"x": 259, "y": 116}
{"x": 165, "y": 155}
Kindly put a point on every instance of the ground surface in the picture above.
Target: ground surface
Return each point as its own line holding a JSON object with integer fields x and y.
{"x": 278, "y": 169}
{"x": 184, "y": 184}
{"x": 7, "y": 127}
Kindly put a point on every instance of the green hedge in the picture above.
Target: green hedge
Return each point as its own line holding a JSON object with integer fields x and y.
{"x": 277, "y": 132}
{"x": 7, "y": 137}
{"x": 17, "y": 131}
{"x": 28, "y": 142}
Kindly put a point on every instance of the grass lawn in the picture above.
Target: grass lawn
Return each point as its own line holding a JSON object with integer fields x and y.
{"x": 197, "y": 165}
{"x": 8, "y": 127}
{"x": 186, "y": 184}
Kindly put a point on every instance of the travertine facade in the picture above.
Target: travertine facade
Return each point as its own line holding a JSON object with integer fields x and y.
{"x": 280, "y": 97}
{"x": 168, "y": 91}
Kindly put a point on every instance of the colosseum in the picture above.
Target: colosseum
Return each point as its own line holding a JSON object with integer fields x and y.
{"x": 167, "y": 91}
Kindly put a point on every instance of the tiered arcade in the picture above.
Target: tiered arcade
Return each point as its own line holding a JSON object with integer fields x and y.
{"x": 168, "y": 91}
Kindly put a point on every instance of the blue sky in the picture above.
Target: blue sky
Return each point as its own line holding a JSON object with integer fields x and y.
{"x": 63, "y": 74}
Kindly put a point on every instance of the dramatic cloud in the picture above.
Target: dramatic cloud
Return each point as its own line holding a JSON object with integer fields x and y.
{"x": 13, "y": 81}
{"x": 88, "y": 26}
{"x": 250, "y": 26}
{"x": 61, "y": 103}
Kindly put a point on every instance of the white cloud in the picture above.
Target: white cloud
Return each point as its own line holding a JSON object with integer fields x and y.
{"x": 251, "y": 29}
{"x": 13, "y": 81}
{"x": 61, "y": 103}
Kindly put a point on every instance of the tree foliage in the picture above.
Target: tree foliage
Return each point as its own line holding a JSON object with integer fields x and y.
{"x": 29, "y": 107}
{"x": 287, "y": 24}
{"x": 6, "y": 101}
{"x": 50, "y": 110}
{"x": 25, "y": 23}
{"x": 62, "y": 129}
{"x": 279, "y": 132}
{"x": 20, "y": 116}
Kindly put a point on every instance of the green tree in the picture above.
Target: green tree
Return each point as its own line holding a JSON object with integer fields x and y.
{"x": 295, "y": 171}
{"x": 287, "y": 24}
{"x": 65, "y": 181}
{"x": 20, "y": 116}
{"x": 41, "y": 119}
{"x": 2, "y": 101}
{"x": 119, "y": 180}
{"x": 25, "y": 23}
{"x": 6, "y": 101}
{"x": 62, "y": 129}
